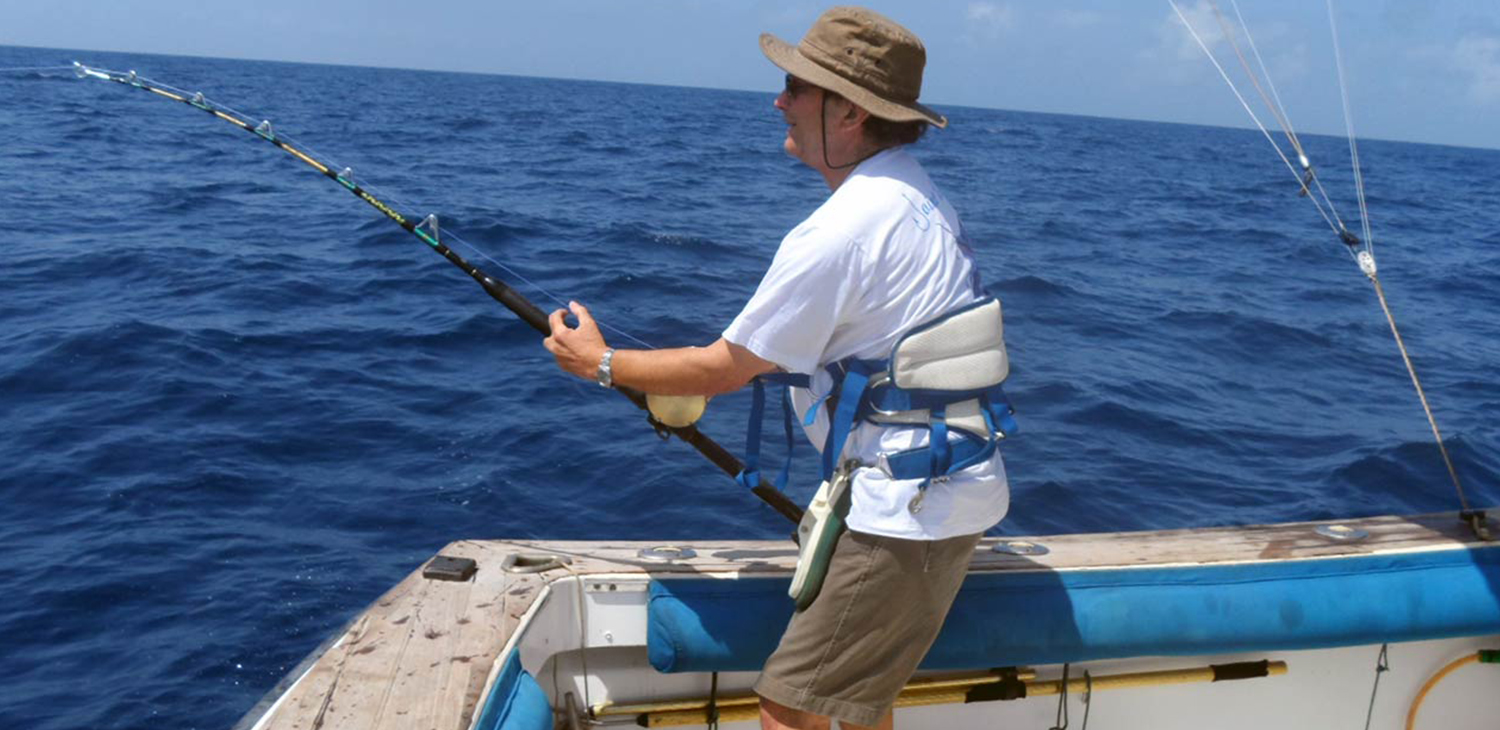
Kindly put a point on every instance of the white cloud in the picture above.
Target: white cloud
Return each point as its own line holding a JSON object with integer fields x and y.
{"x": 1179, "y": 43}
{"x": 1478, "y": 57}
{"x": 1176, "y": 57}
{"x": 989, "y": 20}
{"x": 1180, "y": 58}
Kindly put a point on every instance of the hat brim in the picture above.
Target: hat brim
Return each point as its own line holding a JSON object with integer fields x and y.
{"x": 789, "y": 59}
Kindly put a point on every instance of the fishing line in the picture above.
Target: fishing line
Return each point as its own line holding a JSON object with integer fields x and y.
{"x": 429, "y": 231}
{"x": 331, "y": 163}
{"x": 1278, "y": 108}
{"x": 1359, "y": 180}
{"x": 1365, "y": 256}
{"x": 1366, "y": 260}
{"x": 1270, "y": 83}
{"x": 36, "y": 68}
{"x": 1286, "y": 127}
{"x": 1225, "y": 75}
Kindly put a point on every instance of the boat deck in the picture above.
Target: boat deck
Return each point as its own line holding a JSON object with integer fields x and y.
{"x": 421, "y": 655}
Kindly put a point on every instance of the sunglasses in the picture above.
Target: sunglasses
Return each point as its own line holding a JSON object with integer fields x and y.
{"x": 795, "y": 86}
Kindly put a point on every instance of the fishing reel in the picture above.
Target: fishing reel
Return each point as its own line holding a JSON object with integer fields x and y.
{"x": 676, "y": 411}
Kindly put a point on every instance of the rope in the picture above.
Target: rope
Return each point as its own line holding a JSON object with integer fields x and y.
{"x": 1062, "y": 703}
{"x": 1382, "y": 665}
{"x": 1366, "y": 261}
{"x": 1088, "y": 698}
{"x": 1364, "y": 258}
{"x": 583, "y": 629}
{"x": 1412, "y": 371}
{"x": 1416, "y": 704}
{"x": 713, "y": 702}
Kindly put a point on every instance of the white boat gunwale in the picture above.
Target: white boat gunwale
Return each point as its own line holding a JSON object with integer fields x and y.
{"x": 430, "y": 686}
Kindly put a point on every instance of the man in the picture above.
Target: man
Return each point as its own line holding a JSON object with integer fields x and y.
{"x": 883, "y": 255}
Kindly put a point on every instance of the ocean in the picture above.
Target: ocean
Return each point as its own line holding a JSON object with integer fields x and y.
{"x": 239, "y": 404}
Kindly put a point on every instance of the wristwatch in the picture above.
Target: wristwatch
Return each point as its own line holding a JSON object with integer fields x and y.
{"x": 603, "y": 376}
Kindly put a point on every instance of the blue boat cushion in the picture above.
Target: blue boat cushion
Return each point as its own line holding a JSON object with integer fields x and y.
{"x": 516, "y": 702}
{"x": 1046, "y": 617}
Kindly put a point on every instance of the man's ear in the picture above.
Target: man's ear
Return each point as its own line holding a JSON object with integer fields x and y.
{"x": 850, "y": 115}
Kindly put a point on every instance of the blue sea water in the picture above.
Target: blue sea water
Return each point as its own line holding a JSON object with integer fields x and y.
{"x": 238, "y": 403}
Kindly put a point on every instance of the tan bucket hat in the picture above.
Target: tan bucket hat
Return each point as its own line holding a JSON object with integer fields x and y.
{"x": 866, "y": 57}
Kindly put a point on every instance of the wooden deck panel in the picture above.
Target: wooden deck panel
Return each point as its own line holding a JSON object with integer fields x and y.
{"x": 420, "y": 655}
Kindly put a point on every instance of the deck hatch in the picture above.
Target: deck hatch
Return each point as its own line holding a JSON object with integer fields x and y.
{"x": 447, "y": 567}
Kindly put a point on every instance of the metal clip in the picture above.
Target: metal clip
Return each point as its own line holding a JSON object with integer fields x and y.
{"x": 880, "y": 380}
{"x": 1307, "y": 175}
{"x": 915, "y": 505}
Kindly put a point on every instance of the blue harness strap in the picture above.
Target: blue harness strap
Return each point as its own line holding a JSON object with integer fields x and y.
{"x": 856, "y": 402}
{"x": 853, "y": 400}
{"x": 749, "y": 477}
{"x": 851, "y": 391}
{"x": 939, "y": 457}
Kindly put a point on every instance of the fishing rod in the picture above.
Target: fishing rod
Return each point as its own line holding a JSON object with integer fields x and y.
{"x": 428, "y": 230}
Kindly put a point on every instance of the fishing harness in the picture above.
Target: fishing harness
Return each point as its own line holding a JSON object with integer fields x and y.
{"x": 945, "y": 375}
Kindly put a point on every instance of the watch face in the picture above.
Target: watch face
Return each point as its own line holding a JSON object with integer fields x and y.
{"x": 603, "y": 376}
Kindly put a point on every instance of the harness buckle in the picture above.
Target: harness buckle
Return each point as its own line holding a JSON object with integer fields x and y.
{"x": 880, "y": 380}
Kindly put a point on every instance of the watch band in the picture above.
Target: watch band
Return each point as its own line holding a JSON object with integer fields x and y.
{"x": 603, "y": 376}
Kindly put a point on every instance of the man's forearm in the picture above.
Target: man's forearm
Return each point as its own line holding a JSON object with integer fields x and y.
{"x": 717, "y": 368}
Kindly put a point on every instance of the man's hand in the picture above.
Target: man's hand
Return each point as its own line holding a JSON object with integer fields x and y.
{"x": 717, "y": 368}
{"x": 578, "y": 350}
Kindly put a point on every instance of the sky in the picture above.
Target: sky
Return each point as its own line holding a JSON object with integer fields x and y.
{"x": 1416, "y": 70}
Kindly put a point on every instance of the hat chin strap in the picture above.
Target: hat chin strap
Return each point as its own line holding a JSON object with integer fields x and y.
{"x": 823, "y": 132}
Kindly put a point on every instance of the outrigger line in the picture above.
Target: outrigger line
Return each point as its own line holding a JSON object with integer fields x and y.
{"x": 1362, "y": 250}
{"x": 430, "y": 232}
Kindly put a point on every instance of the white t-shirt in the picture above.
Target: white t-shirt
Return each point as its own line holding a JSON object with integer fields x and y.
{"x": 882, "y": 255}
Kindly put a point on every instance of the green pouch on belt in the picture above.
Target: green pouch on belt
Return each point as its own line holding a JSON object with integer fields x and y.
{"x": 817, "y": 535}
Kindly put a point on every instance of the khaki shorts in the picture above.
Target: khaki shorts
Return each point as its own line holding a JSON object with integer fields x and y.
{"x": 849, "y": 654}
